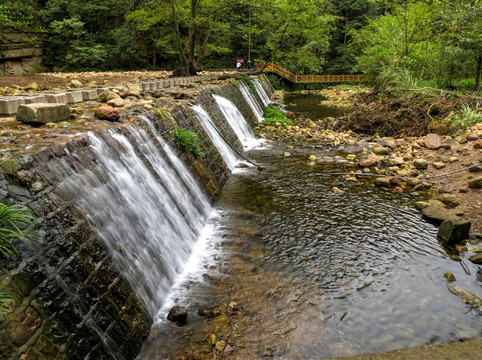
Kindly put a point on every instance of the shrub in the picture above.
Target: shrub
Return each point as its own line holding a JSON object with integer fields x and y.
{"x": 273, "y": 115}
{"x": 467, "y": 118}
{"x": 14, "y": 220}
{"x": 187, "y": 141}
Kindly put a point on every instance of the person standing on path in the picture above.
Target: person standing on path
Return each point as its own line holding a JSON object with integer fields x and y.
{"x": 238, "y": 66}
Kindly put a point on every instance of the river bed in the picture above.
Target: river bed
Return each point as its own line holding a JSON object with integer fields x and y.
{"x": 292, "y": 269}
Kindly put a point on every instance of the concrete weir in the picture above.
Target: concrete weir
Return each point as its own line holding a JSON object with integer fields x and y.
{"x": 78, "y": 292}
{"x": 10, "y": 104}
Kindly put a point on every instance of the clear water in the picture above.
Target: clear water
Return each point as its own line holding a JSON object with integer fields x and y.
{"x": 311, "y": 106}
{"x": 318, "y": 273}
{"x": 327, "y": 274}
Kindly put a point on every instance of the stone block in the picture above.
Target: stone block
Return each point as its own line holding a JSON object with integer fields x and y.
{"x": 43, "y": 113}
{"x": 74, "y": 97}
{"x": 89, "y": 94}
{"x": 57, "y": 98}
{"x": 35, "y": 99}
{"x": 9, "y": 105}
{"x": 453, "y": 232}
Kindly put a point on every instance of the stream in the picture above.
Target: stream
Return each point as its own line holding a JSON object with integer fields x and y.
{"x": 288, "y": 268}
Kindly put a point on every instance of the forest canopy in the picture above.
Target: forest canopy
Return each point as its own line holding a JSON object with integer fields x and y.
{"x": 439, "y": 41}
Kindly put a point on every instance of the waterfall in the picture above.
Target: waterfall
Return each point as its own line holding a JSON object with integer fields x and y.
{"x": 144, "y": 206}
{"x": 237, "y": 122}
{"x": 252, "y": 101}
{"x": 261, "y": 92}
{"x": 226, "y": 152}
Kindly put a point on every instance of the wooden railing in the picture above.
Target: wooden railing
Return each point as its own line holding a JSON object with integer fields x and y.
{"x": 308, "y": 78}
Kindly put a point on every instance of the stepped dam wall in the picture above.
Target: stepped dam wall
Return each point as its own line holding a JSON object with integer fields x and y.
{"x": 119, "y": 207}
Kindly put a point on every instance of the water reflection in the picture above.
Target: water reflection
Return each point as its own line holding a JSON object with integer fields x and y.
{"x": 324, "y": 274}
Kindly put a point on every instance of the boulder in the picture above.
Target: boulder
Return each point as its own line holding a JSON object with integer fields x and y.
{"x": 453, "y": 232}
{"x": 478, "y": 145}
{"x": 133, "y": 90}
{"x": 476, "y": 259}
{"x": 116, "y": 102}
{"x": 42, "y": 113}
{"x": 106, "y": 112}
{"x": 381, "y": 150}
{"x": 382, "y": 182}
{"x": 75, "y": 84}
{"x": 107, "y": 95}
{"x": 432, "y": 141}
{"x": 450, "y": 200}
{"x": 420, "y": 164}
{"x": 178, "y": 314}
{"x": 438, "y": 165}
{"x": 32, "y": 86}
{"x": 476, "y": 183}
{"x": 369, "y": 162}
{"x": 472, "y": 137}
{"x": 438, "y": 214}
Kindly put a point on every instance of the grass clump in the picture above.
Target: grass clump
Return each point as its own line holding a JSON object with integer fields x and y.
{"x": 467, "y": 118}
{"x": 272, "y": 115}
{"x": 14, "y": 221}
{"x": 187, "y": 141}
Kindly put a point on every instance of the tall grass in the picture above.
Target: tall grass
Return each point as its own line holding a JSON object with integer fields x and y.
{"x": 14, "y": 223}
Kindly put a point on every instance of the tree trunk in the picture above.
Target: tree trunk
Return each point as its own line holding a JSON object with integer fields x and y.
{"x": 477, "y": 75}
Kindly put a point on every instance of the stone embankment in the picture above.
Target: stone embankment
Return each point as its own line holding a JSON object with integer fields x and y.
{"x": 10, "y": 104}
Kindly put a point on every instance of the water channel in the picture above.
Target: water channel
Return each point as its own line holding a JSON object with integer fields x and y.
{"x": 291, "y": 269}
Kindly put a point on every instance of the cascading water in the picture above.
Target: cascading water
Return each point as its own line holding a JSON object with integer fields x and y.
{"x": 251, "y": 100}
{"x": 145, "y": 207}
{"x": 226, "y": 153}
{"x": 261, "y": 92}
{"x": 237, "y": 122}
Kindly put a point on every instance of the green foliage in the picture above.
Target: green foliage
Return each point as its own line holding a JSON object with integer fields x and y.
{"x": 467, "y": 118}
{"x": 273, "y": 115}
{"x": 17, "y": 14}
{"x": 187, "y": 141}
{"x": 14, "y": 221}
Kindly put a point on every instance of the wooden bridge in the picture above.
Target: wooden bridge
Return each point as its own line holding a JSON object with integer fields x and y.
{"x": 304, "y": 79}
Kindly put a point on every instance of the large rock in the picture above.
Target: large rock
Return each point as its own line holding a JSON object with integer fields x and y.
{"x": 42, "y": 113}
{"x": 438, "y": 214}
{"x": 116, "y": 102}
{"x": 476, "y": 183}
{"x": 107, "y": 95}
{"x": 75, "y": 84}
{"x": 106, "y": 112}
{"x": 453, "y": 232}
{"x": 420, "y": 164}
{"x": 476, "y": 259}
{"x": 432, "y": 142}
{"x": 178, "y": 314}
{"x": 133, "y": 90}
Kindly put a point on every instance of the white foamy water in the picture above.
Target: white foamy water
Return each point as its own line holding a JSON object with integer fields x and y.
{"x": 237, "y": 122}
{"x": 251, "y": 100}
{"x": 261, "y": 92}
{"x": 145, "y": 207}
{"x": 226, "y": 152}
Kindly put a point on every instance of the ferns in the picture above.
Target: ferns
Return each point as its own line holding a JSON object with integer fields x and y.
{"x": 187, "y": 141}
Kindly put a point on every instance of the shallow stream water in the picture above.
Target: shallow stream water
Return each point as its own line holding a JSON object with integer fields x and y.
{"x": 295, "y": 270}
